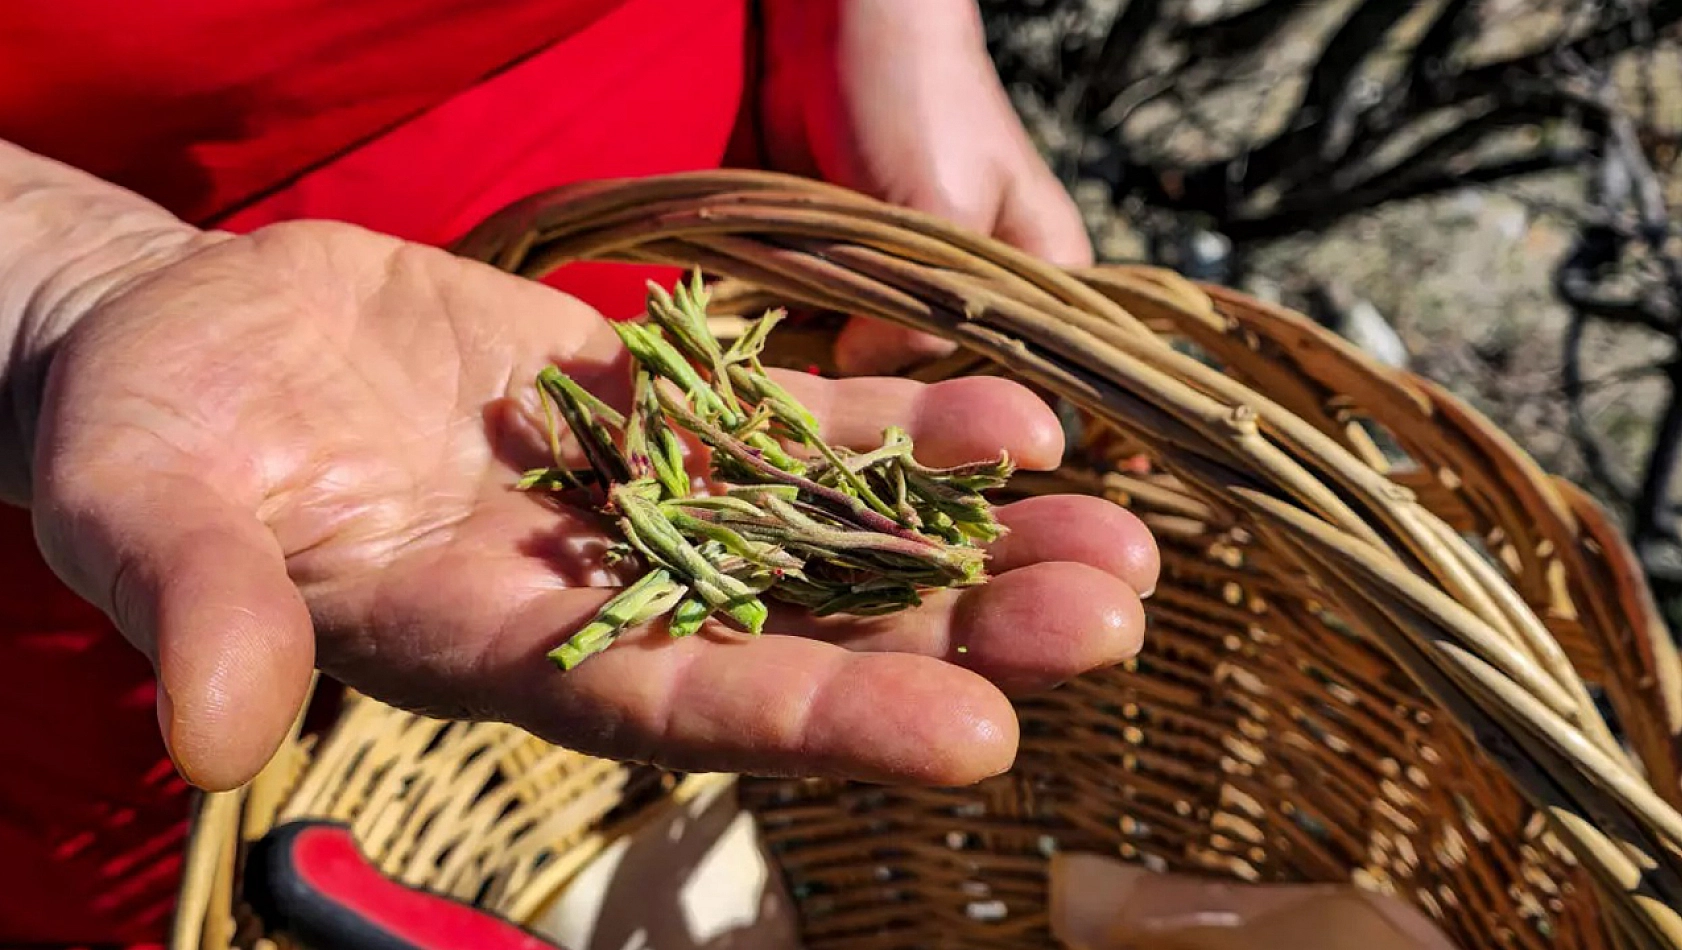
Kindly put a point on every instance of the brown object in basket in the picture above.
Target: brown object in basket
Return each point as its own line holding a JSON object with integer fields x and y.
{"x": 1373, "y": 656}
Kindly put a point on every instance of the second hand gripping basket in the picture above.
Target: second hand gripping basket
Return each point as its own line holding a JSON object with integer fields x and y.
{"x": 1386, "y": 648}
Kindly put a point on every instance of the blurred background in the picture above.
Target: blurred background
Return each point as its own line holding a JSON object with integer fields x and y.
{"x": 1487, "y": 192}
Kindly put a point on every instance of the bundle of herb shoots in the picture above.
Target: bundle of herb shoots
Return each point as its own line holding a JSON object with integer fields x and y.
{"x": 784, "y": 515}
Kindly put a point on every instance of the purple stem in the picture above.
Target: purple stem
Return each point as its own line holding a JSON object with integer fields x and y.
{"x": 839, "y": 503}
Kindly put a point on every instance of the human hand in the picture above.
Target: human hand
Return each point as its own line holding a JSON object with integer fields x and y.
{"x": 298, "y": 448}
{"x": 901, "y": 102}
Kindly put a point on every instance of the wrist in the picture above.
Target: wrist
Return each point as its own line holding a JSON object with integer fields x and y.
{"x": 816, "y": 50}
{"x": 67, "y": 242}
{"x": 942, "y": 21}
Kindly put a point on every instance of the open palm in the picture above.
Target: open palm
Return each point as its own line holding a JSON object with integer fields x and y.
{"x": 297, "y": 448}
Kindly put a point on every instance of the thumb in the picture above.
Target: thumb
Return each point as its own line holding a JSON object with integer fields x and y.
{"x": 1037, "y": 215}
{"x": 1034, "y": 214}
{"x": 201, "y": 587}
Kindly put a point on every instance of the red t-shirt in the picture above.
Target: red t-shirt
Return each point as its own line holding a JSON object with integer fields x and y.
{"x": 413, "y": 117}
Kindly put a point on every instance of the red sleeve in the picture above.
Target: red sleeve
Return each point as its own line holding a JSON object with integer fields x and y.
{"x": 654, "y": 87}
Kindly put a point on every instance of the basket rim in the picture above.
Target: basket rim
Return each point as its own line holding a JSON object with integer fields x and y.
{"x": 1373, "y": 549}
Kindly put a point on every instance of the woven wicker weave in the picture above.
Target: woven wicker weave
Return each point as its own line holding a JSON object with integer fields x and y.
{"x": 1375, "y": 654}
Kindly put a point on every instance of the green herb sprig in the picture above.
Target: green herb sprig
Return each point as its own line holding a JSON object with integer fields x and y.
{"x": 785, "y": 516}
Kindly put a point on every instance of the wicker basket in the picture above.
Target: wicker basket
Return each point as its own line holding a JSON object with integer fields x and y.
{"x": 1387, "y": 648}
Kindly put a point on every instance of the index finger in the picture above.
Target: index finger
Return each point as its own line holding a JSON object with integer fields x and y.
{"x": 953, "y": 422}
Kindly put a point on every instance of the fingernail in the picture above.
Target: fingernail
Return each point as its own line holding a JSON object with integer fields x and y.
{"x": 1147, "y": 595}
{"x": 166, "y": 718}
